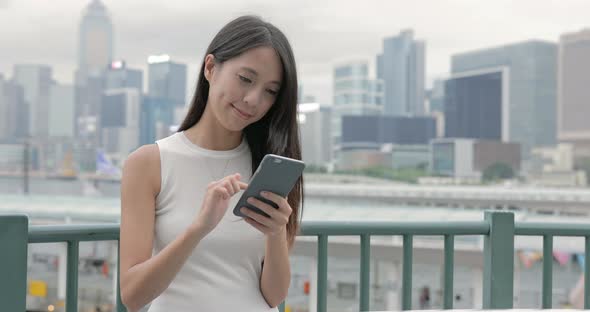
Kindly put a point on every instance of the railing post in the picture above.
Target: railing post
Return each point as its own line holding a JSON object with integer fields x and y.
{"x": 587, "y": 272}
{"x": 498, "y": 277}
{"x": 322, "y": 273}
{"x": 547, "y": 292}
{"x": 120, "y": 306}
{"x": 72, "y": 276}
{"x": 407, "y": 273}
{"x": 14, "y": 231}
{"x": 364, "y": 303}
{"x": 448, "y": 293}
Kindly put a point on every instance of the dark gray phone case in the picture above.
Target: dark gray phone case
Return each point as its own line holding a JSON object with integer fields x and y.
{"x": 275, "y": 174}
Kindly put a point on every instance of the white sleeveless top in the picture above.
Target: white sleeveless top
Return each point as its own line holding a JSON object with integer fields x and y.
{"x": 223, "y": 272}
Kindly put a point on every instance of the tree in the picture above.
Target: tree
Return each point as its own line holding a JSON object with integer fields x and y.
{"x": 408, "y": 175}
{"x": 497, "y": 171}
{"x": 315, "y": 169}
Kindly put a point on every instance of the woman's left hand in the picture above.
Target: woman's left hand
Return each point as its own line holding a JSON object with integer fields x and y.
{"x": 279, "y": 217}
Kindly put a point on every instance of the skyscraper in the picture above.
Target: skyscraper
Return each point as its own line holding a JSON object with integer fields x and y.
{"x": 156, "y": 117}
{"x": 372, "y": 132}
{"x": 61, "y": 111}
{"x": 120, "y": 122}
{"x": 476, "y": 105}
{"x": 118, "y": 75}
{"x": 95, "y": 53}
{"x": 88, "y": 104}
{"x": 315, "y": 128}
{"x": 167, "y": 79}
{"x": 574, "y": 91}
{"x": 436, "y": 96}
{"x": 36, "y": 81}
{"x": 402, "y": 67}
{"x": 17, "y": 110}
{"x": 95, "y": 46}
{"x": 355, "y": 94}
{"x": 4, "y": 112}
{"x": 530, "y": 67}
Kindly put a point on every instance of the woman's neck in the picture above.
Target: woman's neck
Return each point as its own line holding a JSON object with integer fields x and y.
{"x": 208, "y": 133}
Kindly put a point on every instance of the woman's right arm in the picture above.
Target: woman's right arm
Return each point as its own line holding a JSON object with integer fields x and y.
{"x": 143, "y": 277}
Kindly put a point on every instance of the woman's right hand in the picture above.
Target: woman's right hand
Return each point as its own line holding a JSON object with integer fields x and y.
{"x": 216, "y": 201}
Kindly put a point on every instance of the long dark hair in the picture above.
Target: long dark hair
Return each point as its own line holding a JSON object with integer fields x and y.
{"x": 278, "y": 131}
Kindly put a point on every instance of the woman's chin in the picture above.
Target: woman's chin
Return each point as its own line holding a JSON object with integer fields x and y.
{"x": 235, "y": 126}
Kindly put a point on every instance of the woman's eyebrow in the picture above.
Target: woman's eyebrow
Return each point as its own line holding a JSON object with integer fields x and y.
{"x": 255, "y": 73}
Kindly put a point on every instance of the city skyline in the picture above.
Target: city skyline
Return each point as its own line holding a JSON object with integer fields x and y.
{"x": 322, "y": 39}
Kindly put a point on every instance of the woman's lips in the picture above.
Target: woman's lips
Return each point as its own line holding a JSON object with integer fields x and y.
{"x": 241, "y": 113}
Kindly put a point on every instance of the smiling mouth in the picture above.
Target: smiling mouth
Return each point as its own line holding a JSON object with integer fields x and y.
{"x": 240, "y": 113}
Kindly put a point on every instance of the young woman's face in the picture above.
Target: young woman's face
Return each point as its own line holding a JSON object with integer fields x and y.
{"x": 243, "y": 89}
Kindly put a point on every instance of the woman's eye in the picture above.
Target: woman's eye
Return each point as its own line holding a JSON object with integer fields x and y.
{"x": 272, "y": 92}
{"x": 244, "y": 79}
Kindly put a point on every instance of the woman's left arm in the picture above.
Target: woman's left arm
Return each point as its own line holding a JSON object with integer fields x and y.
{"x": 276, "y": 268}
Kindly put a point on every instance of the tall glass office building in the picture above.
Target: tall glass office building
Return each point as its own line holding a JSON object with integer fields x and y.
{"x": 530, "y": 116}
{"x": 574, "y": 91}
{"x": 474, "y": 105}
{"x": 402, "y": 67}
{"x": 36, "y": 81}
{"x": 95, "y": 45}
{"x": 355, "y": 94}
{"x": 118, "y": 75}
{"x": 374, "y": 131}
{"x": 167, "y": 79}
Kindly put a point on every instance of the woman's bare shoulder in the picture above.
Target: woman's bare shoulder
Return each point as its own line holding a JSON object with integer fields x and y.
{"x": 144, "y": 163}
{"x": 146, "y": 155}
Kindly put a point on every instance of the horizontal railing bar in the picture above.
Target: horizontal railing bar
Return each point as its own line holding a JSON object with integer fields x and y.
{"x": 553, "y": 229}
{"x": 74, "y": 233}
{"x": 93, "y": 232}
{"x": 70, "y": 232}
{"x": 314, "y": 228}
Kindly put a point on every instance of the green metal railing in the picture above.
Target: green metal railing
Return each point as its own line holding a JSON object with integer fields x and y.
{"x": 548, "y": 231}
{"x": 497, "y": 228}
{"x": 72, "y": 235}
{"x": 407, "y": 230}
{"x": 15, "y": 235}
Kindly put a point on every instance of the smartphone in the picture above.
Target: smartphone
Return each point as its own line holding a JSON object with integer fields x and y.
{"x": 275, "y": 174}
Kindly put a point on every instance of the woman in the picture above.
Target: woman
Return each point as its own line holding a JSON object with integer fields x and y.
{"x": 182, "y": 249}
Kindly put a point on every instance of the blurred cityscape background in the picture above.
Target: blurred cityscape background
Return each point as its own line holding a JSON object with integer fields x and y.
{"x": 505, "y": 127}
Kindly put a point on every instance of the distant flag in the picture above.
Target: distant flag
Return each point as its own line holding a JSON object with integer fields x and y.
{"x": 528, "y": 258}
{"x": 105, "y": 166}
{"x": 306, "y": 287}
{"x": 561, "y": 257}
{"x": 105, "y": 269}
{"x": 581, "y": 258}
